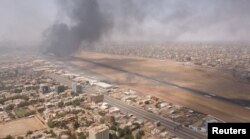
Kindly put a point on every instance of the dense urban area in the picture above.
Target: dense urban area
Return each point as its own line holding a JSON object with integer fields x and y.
{"x": 124, "y": 69}
{"x": 39, "y": 99}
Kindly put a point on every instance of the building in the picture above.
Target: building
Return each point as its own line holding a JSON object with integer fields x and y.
{"x": 76, "y": 88}
{"x": 103, "y": 85}
{"x": 109, "y": 118}
{"x": 99, "y": 132}
{"x": 96, "y": 98}
{"x": 44, "y": 88}
{"x": 114, "y": 110}
{"x": 59, "y": 88}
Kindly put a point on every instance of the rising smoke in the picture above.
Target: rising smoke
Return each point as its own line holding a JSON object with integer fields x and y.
{"x": 89, "y": 21}
{"x": 88, "y": 24}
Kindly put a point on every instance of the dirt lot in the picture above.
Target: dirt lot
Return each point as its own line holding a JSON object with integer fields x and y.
{"x": 20, "y": 126}
{"x": 158, "y": 77}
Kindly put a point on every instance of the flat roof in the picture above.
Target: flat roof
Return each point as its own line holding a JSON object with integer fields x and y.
{"x": 103, "y": 84}
{"x": 99, "y": 128}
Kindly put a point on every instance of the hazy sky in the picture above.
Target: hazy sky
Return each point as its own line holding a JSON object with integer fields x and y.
{"x": 24, "y": 20}
{"x": 167, "y": 20}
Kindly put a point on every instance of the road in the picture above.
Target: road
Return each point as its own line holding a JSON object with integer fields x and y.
{"x": 214, "y": 96}
{"x": 192, "y": 87}
{"x": 182, "y": 132}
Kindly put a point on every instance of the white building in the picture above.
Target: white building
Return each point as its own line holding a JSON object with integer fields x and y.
{"x": 76, "y": 88}
{"x": 114, "y": 110}
{"x": 99, "y": 132}
{"x": 103, "y": 85}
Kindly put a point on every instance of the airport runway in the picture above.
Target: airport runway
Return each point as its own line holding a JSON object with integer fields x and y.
{"x": 118, "y": 71}
{"x": 157, "y": 80}
{"x": 166, "y": 83}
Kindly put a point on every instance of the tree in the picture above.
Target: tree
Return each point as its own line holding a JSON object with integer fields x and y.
{"x": 23, "y": 104}
{"x": 126, "y": 133}
{"x": 9, "y": 137}
{"x": 29, "y": 113}
{"x": 76, "y": 125}
{"x": 137, "y": 125}
{"x": 139, "y": 134}
{"x": 127, "y": 130}
{"x": 147, "y": 102}
{"x": 53, "y": 135}
{"x": 17, "y": 91}
{"x": 51, "y": 124}
{"x": 102, "y": 113}
{"x": 113, "y": 136}
{"x": 2, "y": 86}
{"x": 76, "y": 103}
{"x": 41, "y": 110}
{"x": 112, "y": 120}
{"x": 10, "y": 107}
{"x": 11, "y": 115}
{"x": 71, "y": 137}
{"x": 82, "y": 136}
{"x": 29, "y": 133}
{"x": 121, "y": 132}
{"x": 2, "y": 101}
{"x": 129, "y": 136}
{"x": 63, "y": 125}
{"x": 102, "y": 120}
{"x": 114, "y": 127}
{"x": 60, "y": 104}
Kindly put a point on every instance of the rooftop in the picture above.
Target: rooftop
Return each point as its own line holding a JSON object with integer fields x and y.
{"x": 99, "y": 128}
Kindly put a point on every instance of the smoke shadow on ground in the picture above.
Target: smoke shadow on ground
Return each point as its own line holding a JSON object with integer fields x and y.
{"x": 108, "y": 62}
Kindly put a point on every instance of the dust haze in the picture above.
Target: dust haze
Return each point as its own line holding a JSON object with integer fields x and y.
{"x": 81, "y": 23}
{"x": 90, "y": 21}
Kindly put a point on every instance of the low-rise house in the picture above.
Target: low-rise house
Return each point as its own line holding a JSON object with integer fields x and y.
{"x": 114, "y": 110}
{"x": 99, "y": 132}
{"x": 96, "y": 98}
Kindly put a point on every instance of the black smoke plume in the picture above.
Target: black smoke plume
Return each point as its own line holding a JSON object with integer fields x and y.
{"x": 87, "y": 23}
{"x": 146, "y": 20}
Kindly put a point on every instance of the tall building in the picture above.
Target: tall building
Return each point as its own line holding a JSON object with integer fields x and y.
{"x": 76, "y": 88}
{"x": 44, "y": 88}
{"x": 99, "y": 132}
{"x": 59, "y": 88}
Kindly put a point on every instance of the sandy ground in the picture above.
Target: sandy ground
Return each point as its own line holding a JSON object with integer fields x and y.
{"x": 20, "y": 126}
{"x": 131, "y": 72}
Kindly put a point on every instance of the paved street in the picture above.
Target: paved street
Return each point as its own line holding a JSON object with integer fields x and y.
{"x": 182, "y": 132}
{"x": 170, "y": 125}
